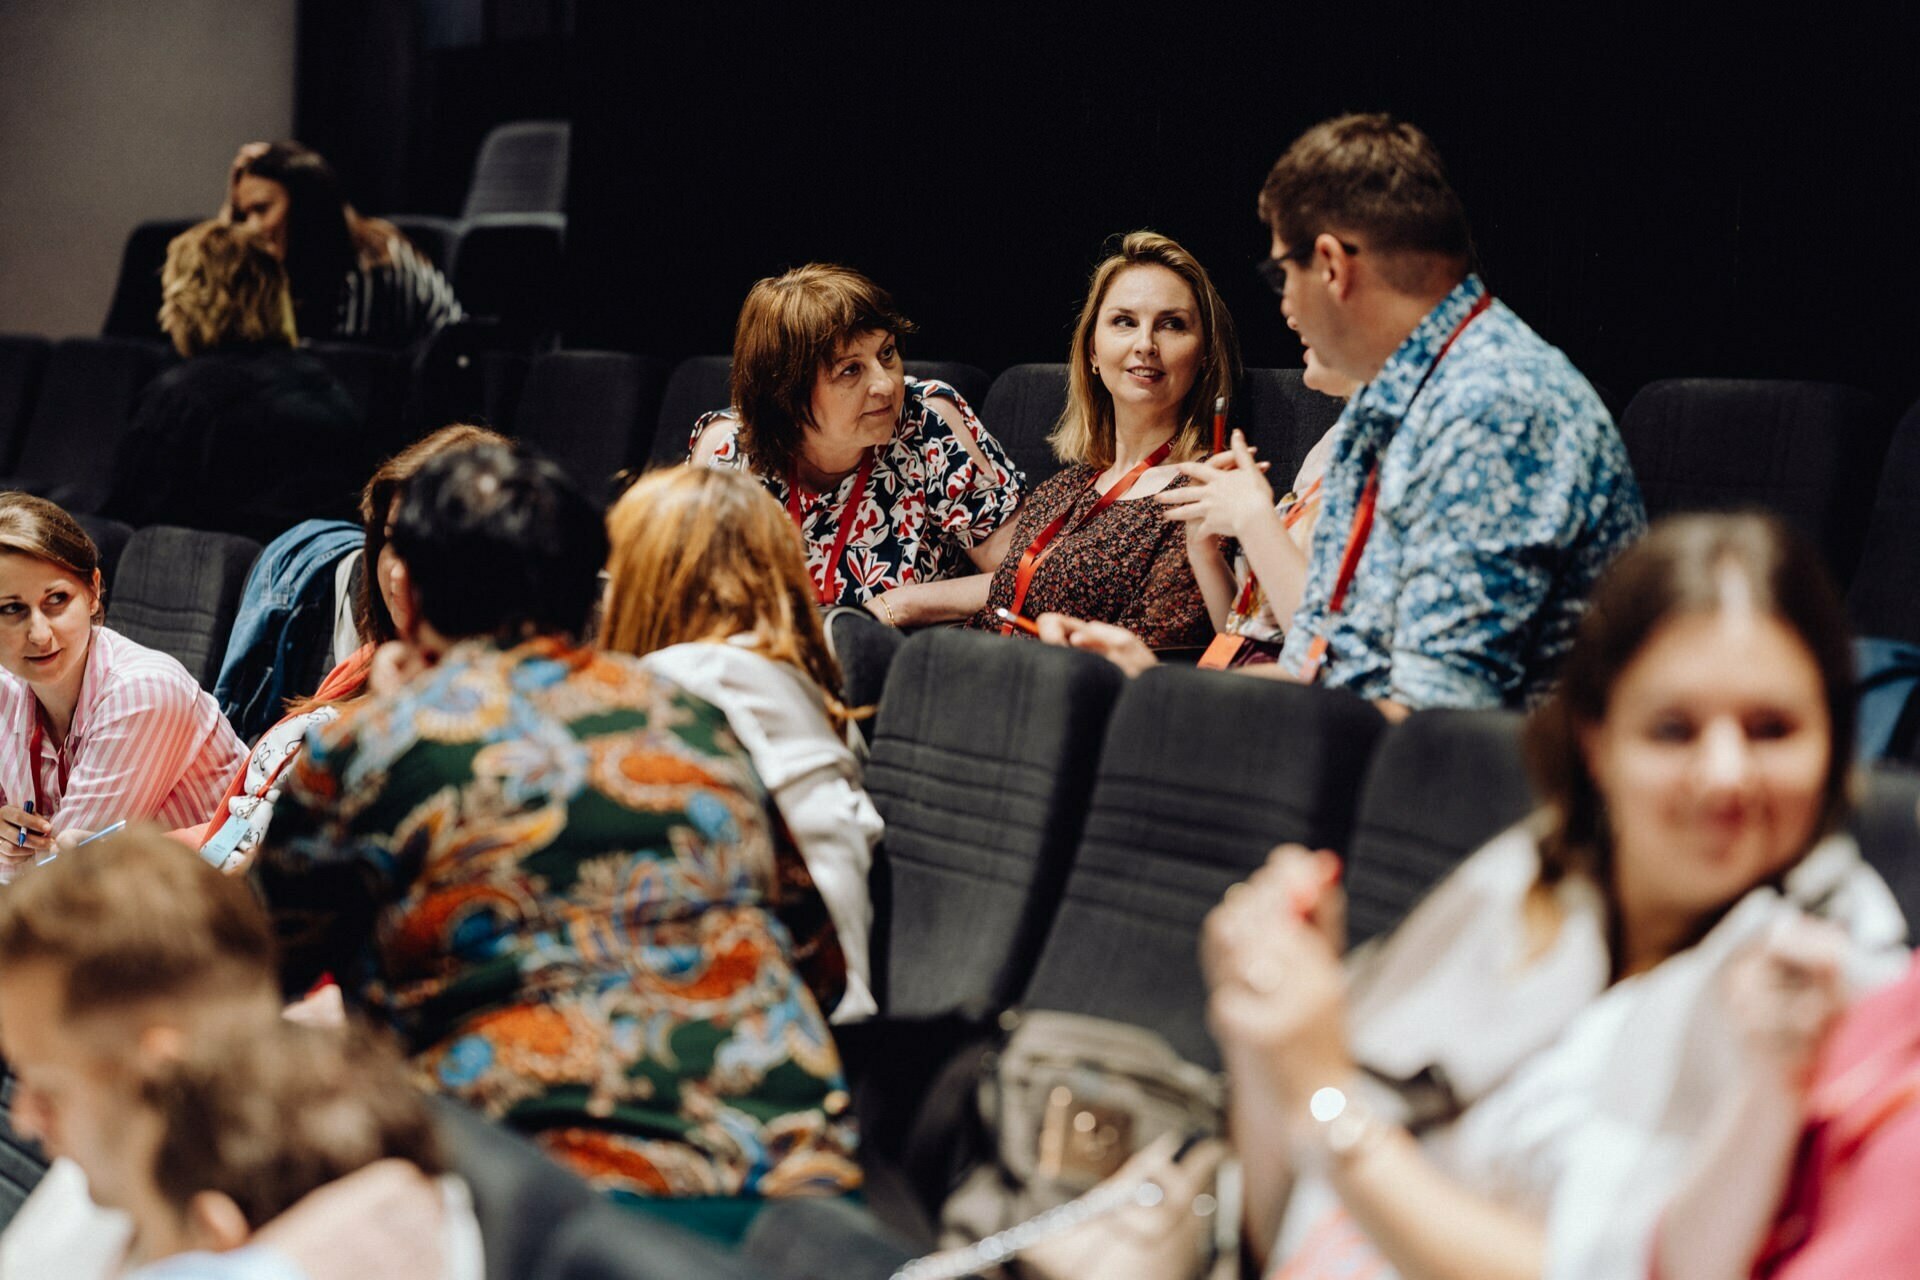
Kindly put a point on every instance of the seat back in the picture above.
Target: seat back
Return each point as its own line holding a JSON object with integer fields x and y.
{"x": 1283, "y": 418}
{"x": 511, "y": 268}
{"x": 111, "y": 537}
{"x": 1021, "y": 410}
{"x": 521, "y": 168}
{"x": 1201, "y": 775}
{"x": 983, "y": 756}
{"x": 605, "y": 1242}
{"x": 22, "y": 361}
{"x": 1440, "y": 784}
{"x": 1883, "y": 600}
{"x": 1887, "y": 825}
{"x": 377, "y": 380}
{"x": 22, "y": 1163}
{"x": 520, "y": 1196}
{"x": 135, "y": 309}
{"x": 865, "y": 648}
{"x": 437, "y": 238}
{"x": 590, "y": 411}
{"x": 972, "y": 383}
{"x": 698, "y": 386}
{"x": 87, "y": 399}
{"x": 177, "y": 590}
{"x": 1807, "y": 451}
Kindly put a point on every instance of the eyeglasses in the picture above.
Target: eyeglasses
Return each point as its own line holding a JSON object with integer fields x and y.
{"x": 1272, "y": 270}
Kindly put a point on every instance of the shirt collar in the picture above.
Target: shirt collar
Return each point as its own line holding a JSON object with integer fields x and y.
{"x": 1391, "y": 392}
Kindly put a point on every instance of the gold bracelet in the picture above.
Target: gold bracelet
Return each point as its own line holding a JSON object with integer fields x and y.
{"x": 889, "y": 608}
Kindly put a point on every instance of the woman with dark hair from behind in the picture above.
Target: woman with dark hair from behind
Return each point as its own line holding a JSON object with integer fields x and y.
{"x": 1512, "y": 1082}
{"x": 353, "y": 277}
{"x": 249, "y": 435}
{"x": 555, "y": 874}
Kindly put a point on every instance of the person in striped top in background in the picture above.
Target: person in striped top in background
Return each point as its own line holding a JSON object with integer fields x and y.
{"x": 94, "y": 728}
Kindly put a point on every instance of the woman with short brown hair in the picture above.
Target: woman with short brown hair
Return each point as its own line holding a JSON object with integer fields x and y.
{"x": 903, "y": 499}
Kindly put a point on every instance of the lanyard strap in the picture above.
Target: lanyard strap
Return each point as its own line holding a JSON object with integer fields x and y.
{"x": 1369, "y": 498}
{"x": 1036, "y": 552}
{"x": 1250, "y": 589}
{"x": 824, "y": 589}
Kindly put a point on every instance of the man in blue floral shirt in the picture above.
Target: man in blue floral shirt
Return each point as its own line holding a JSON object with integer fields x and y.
{"x": 1501, "y": 486}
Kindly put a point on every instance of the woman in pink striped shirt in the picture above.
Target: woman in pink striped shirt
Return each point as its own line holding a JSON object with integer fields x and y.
{"x": 93, "y": 727}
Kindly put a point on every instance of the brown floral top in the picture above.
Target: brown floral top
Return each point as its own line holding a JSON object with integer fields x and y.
{"x": 1128, "y": 565}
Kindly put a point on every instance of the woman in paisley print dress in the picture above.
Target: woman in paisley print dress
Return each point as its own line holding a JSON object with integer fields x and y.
{"x": 555, "y": 874}
{"x": 904, "y": 500}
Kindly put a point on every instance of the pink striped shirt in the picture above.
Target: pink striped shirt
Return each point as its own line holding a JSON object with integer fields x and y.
{"x": 146, "y": 742}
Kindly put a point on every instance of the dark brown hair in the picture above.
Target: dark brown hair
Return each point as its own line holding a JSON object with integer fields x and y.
{"x": 790, "y": 328}
{"x": 1680, "y": 568}
{"x": 139, "y": 917}
{"x": 268, "y": 1116}
{"x": 1371, "y": 176}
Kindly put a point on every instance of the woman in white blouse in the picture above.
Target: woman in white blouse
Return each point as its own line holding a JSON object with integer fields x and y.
{"x": 708, "y": 585}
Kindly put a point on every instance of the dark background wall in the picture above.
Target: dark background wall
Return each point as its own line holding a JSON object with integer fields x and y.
{"x": 1660, "y": 194}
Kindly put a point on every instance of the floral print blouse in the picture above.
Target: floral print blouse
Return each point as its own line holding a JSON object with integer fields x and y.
{"x": 926, "y": 505}
{"x": 566, "y": 878}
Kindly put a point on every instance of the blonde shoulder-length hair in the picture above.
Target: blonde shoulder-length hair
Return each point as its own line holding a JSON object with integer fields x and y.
{"x": 702, "y": 555}
{"x": 1085, "y": 430}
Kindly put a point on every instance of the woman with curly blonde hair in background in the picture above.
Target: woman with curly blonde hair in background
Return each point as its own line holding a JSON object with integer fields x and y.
{"x": 708, "y": 586}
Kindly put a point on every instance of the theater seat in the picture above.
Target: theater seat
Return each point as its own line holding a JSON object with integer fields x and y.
{"x": 590, "y": 411}
{"x": 1887, "y": 825}
{"x": 865, "y": 647}
{"x": 520, "y": 1196}
{"x": 1440, "y": 784}
{"x": 377, "y": 381}
{"x": 135, "y": 309}
{"x": 972, "y": 383}
{"x": 87, "y": 399}
{"x": 511, "y": 268}
{"x": 1808, "y": 451}
{"x": 22, "y": 1163}
{"x": 603, "y": 1242}
{"x": 1021, "y": 410}
{"x": 698, "y": 386}
{"x": 22, "y": 361}
{"x": 111, "y": 537}
{"x": 177, "y": 590}
{"x": 1201, "y": 774}
{"x": 521, "y": 168}
{"x": 1283, "y": 418}
{"x": 1885, "y": 597}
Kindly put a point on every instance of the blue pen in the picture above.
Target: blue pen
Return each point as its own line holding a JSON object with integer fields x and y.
{"x": 28, "y": 806}
{"x": 101, "y": 834}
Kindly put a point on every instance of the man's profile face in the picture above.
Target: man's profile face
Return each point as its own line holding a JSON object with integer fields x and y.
{"x": 1303, "y": 301}
{"x": 71, "y": 1093}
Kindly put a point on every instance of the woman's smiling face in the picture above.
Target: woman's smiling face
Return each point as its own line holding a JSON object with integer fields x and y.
{"x": 46, "y": 620}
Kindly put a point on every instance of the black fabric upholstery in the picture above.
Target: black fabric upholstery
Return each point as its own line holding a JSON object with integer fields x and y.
{"x": 87, "y": 398}
{"x": 698, "y": 385}
{"x": 1885, "y": 597}
{"x": 809, "y": 1238}
{"x": 21, "y": 1161}
{"x": 589, "y": 411}
{"x": 866, "y": 648}
{"x": 1021, "y": 410}
{"x": 521, "y": 168}
{"x": 376, "y": 379}
{"x": 972, "y": 383}
{"x": 604, "y": 1242}
{"x": 437, "y": 238}
{"x": 982, "y": 760}
{"x": 177, "y": 590}
{"x": 135, "y": 309}
{"x": 520, "y": 1197}
{"x": 1440, "y": 784}
{"x": 510, "y": 268}
{"x": 1808, "y": 451}
{"x": 1202, "y": 773}
{"x": 1283, "y": 418}
{"x": 22, "y": 361}
{"x": 1887, "y": 825}
{"x": 111, "y": 537}
{"x": 450, "y": 376}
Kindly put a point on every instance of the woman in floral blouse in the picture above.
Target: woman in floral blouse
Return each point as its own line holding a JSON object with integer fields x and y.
{"x": 555, "y": 874}
{"x": 903, "y": 499}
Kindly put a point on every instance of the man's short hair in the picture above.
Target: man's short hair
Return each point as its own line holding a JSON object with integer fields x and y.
{"x": 139, "y": 917}
{"x": 499, "y": 542}
{"x": 1370, "y": 176}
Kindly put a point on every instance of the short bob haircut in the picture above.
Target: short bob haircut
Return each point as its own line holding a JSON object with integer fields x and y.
{"x": 1085, "y": 430}
{"x": 1680, "y": 568}
{"x": 221, "y": 287}
{"x": 498, "y": 542}
{"x": 703, "y": 555}
{"x": 791, "y": 328}
{"x": 35, "y": 527}
{"x": 1370, "y": 176}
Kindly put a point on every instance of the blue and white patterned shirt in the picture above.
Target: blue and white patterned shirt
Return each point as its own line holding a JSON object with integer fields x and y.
{"x": 1504, "y": 491}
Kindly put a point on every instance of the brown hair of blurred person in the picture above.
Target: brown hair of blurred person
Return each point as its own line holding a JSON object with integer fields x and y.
{"x": 222, "y": 287}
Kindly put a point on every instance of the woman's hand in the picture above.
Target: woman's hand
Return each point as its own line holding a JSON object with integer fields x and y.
{"x": 890, "y": 607}
{"x": 394, "y": 664}
{"x": 27, "y": 837}
{"x": 1116, "y": 644}
{"x": 1784, "y": 995}
{"x": 1278, "y": 995}
{"x": 1227, "y": 492}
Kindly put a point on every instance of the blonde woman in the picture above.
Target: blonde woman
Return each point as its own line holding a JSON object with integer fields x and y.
{"x": 249, "y": 435}
{"x": 1152, "y": 352}
{"x": 708, "y": 586}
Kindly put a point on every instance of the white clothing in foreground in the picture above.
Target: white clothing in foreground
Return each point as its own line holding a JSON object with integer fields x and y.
{"x": 1583, "y": 1101}
{"x": 781, "y": 719}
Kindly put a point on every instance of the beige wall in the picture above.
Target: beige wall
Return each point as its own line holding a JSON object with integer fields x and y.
{"x": 113, "y": 112}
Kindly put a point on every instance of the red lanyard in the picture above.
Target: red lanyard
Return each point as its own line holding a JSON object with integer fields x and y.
{"x": 1295, "y": 513}
{"x": 1030, "y": 559}
{"x": 824, "y": 589}
{"x": 1363, "y": 514}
